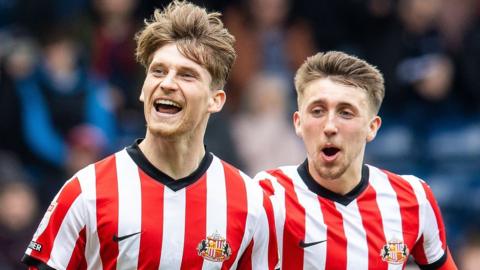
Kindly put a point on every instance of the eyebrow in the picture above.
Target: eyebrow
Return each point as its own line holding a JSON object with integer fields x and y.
{"x": 189, "y": 69}
{"x": 180, "y": 68}
{"x": 155, "y": 65}
{"x": 323, "y": 102}
{"x": 346, "y": 104}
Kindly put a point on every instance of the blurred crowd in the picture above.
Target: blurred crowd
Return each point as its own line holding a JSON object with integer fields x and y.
{"x": 69, "y": 88}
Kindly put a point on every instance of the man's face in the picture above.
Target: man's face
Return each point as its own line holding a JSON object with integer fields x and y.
{"x": 176, "y": 94}
{"x": 335, "y": 122}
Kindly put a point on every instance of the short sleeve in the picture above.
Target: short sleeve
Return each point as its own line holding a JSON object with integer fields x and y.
{"x": 431, "y": 251}
{"x": 59, "y": 241}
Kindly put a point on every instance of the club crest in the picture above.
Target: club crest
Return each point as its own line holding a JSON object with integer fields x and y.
{"x": 215, "y": 248}
{"x": 394, "y": 252}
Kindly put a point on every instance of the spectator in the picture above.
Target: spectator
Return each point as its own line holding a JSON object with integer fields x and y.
{"x": 54, "y": 98}
{"x": 267, "y": 41}
{"x": 18, "y": 212}
{"x": 112, "y": 59}
{"x": 263, "y": 136}
{"x": 469, "y": 253}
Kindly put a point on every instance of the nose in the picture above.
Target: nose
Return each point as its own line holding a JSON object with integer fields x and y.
{"x": 330, "y": 127}
{"x": 168, "y": 83}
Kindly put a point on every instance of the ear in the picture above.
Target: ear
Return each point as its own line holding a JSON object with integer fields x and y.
{"x": 216, "y": 101}
{"x": 297, "y": 124}
{"x": 141, "y": 98}
{"x": 373, "y": 127}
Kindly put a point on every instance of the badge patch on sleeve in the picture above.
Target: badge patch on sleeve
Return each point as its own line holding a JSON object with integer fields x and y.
{"x": 35, "y": 246}
{"x": 46, "y": 218}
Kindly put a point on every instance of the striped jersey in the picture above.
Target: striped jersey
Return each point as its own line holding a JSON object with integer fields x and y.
{"x": 123, "y": 213}
{"x": 377, "y": 225}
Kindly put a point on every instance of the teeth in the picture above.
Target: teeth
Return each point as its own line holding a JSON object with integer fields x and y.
{"x": 167, "y": 102}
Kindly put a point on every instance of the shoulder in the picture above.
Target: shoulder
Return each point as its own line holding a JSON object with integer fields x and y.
{"x": 239, "y": 184}
{"x": 277, "y": 174}
{"x": 111, "y": 161}
{"x": 232, "y": 175}
{"x": 271, "y": 180}
{"x": 402, "y": 184}
{"x": 102, "y": 170}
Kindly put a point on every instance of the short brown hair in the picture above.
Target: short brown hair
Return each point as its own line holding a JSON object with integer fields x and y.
{"x": 198, "y": 34}
{"x": 342, "y": 68}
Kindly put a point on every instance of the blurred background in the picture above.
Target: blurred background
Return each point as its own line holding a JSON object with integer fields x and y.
{"x": 69, "y": 88}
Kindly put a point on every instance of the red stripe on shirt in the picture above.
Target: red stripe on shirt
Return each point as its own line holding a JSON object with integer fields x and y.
{"x": 336, "y": 239}
{"x": 152, "y": 224}
{"x": 65, "y": 199}
{"x": 195, "y": 223}
{"x": 107, "y": 210}
{"x": 237, "y": 210}
{"x": 373, "y": 224}
{"x": 245, "y": 262}
{"x": 409, "y": 208}
{"x": 418, "y": 252}
{"x": 77, "y": 260}
{"x": 272, "y": 243}
{"x": 267, "y": 186}
{"x": 294, "y": 227}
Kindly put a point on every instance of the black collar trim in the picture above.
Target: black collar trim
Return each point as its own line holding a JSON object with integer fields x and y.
{"x": 321, "y": 191}
{"x": 142, "y": 162}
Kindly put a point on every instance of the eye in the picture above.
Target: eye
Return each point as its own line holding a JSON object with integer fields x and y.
{"x": 347, "y": 114}
{"x": 158, "y": 72}
{"x": 317, "y": 111}
{"x": 187, "y": 75}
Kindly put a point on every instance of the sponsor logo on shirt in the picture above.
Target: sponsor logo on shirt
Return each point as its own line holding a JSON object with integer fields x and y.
{"x": 52, "y": 207}
{"x": 394, "y": 252}
{"x": 304, "y": 244}
{"x": 35, "y": 246}
{"x": 121, "y": 238}
{"x": 215, "y": 248}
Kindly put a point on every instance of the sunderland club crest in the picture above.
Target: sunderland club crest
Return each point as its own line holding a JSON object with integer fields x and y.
{"x": 215, "y": 248}
{"x": 394, "y": 252}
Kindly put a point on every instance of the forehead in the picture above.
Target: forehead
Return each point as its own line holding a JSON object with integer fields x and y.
{"x": 169, "y": 55}
{"x": 331, "y": 92}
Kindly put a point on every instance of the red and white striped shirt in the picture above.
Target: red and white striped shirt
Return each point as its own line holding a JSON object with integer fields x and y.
{"x": 377, "y": 225}
{"x": 122, "y": 213}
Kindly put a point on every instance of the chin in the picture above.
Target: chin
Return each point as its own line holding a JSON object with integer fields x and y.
{"x": 331, "y": 172}
{"x": 330, "y": 175}
{"x": 163, "y": 130}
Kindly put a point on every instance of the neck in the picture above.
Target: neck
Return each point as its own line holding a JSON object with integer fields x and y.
{"x": 342, "y": 184}
{"x": 177, "y": 157}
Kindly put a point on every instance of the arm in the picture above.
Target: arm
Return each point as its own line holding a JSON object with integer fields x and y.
{"x": 37, "y": 127}
{"x": 99, "y": 110}
{"x": 59, "y": 241}
{"x": 431, "y": 251}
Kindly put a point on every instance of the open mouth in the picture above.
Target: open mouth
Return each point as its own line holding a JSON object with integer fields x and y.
{"x": 167, "y": 106}
{"x": 330, "y": 151}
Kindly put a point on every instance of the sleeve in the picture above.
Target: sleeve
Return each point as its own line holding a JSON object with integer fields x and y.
{"x": 431, "y": 251}
{"x": 59, "y": 241}
{"x": 275, "y": 193}
{"x": 262, "y": 252}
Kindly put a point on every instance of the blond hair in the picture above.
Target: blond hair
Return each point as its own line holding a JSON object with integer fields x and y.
{"x": 345, "y": 69}
{"x": 198, "y": 34}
